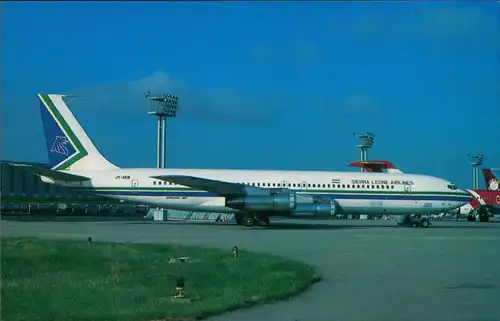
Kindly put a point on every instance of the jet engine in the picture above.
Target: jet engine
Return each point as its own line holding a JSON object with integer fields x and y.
{"x": 319, "y": 209}
{"x": 279, "y": 202}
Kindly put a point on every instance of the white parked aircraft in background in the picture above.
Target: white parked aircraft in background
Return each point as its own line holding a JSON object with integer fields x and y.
{"x": 253, "y": 195}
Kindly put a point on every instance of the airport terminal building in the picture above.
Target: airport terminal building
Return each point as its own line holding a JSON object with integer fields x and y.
{"x": 24, "y": 192}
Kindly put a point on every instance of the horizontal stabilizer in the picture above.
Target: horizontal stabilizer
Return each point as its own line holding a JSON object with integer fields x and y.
{"x": 52, "y": 174}
{"x": 214, "y": 186}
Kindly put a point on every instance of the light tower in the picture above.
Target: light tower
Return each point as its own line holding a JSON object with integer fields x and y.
{"x": 162, "y": 107}
{"x": 475, "y": 160}
{"x": 365, "y": 144}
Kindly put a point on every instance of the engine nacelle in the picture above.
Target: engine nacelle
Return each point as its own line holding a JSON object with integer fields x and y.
{"x": 321, "y": 209}
{"x": 279, "y": 202}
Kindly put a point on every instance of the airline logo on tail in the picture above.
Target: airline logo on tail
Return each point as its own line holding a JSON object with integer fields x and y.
{"x": 64, "y": 147}
{"x": 59, "y": 146}
{"x": 490, "y": 179}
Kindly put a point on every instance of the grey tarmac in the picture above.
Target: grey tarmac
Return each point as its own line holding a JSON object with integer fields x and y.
{"x": 371, "y": 270}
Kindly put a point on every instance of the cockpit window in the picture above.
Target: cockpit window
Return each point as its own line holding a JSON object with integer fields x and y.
{"x": 452, "y": 186}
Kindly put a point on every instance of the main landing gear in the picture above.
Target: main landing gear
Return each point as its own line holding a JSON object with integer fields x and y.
{"x": 481, "y": 213}
{"x": 250, "y": 220}
{"x": 414, "y": 220}
{"x": 482, "y": 217}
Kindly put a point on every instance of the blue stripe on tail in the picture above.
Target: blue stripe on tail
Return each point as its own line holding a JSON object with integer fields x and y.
{"x": 59, "y": 147}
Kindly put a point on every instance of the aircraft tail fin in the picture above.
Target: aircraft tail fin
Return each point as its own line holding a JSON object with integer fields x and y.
{"x": 490, "y": 180}
{"x": 68, "y": 146}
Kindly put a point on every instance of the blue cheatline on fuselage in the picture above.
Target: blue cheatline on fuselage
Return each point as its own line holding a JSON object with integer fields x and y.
{"x": 415, "y": 197}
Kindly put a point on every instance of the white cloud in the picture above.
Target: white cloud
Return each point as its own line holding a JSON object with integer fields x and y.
{"x": 357, "y": 103}
{"x": 225, "y": 105}
{"x": 436, "y": 21}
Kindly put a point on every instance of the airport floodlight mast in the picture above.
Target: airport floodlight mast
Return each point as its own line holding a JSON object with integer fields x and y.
{"x": 475, "y": 160}
{"x": 162, "y": 107}
{"x": 366, "y": 143}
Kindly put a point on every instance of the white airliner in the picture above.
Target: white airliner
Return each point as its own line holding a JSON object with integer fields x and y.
{"x": 253, "y": 195}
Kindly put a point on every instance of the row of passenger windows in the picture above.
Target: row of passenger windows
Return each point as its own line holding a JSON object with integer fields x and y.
{"x": 302, "y": 185}
{"x": 320, "y": 185}
{"x": 162, "y": 183}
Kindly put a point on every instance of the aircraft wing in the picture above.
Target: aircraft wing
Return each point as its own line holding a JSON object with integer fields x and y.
{"x": 221, "y": 188}
{"x": 52, "y": 174}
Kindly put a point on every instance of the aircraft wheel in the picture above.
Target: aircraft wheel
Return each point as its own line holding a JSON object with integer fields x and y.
{"x": 249, "y": 220}
{"x": 471, "y": 218}
{"x": 238, "y": 219}
{"x": 424, "y": 223}
{"x": 483, "y": 218}
{"x": 264, "y": 221}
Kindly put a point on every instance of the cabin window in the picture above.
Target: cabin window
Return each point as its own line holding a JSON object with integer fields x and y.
{"x": 338, "y": 185}
{"x": 358, "y": 186}
{"x": 362, "y": 186}
{"x": 378, "y": 187}
{"x": 328, "y": 185}
{"x": 348, "y": 186}
{"x": 154, "y": 182}
{"x": 392, "y": 186}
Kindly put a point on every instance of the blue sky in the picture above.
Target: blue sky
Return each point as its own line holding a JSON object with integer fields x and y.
{"x": 262, "y": 85}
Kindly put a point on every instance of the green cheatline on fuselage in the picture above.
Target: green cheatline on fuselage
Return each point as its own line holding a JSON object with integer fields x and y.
{"x": 315, "y": 191}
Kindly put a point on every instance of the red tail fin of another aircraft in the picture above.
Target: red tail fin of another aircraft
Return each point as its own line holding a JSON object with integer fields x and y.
{"x": 377, "y": 166}
{"x": 490, "y": 180}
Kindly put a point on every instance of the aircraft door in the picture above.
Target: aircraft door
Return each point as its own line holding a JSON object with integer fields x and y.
{"x": 135, "y": 185}
{"x": 285, "y": 184}
{"x": 303, "y": 186}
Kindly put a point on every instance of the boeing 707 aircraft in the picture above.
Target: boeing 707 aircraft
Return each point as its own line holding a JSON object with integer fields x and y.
{"x": 252, "y": 195}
